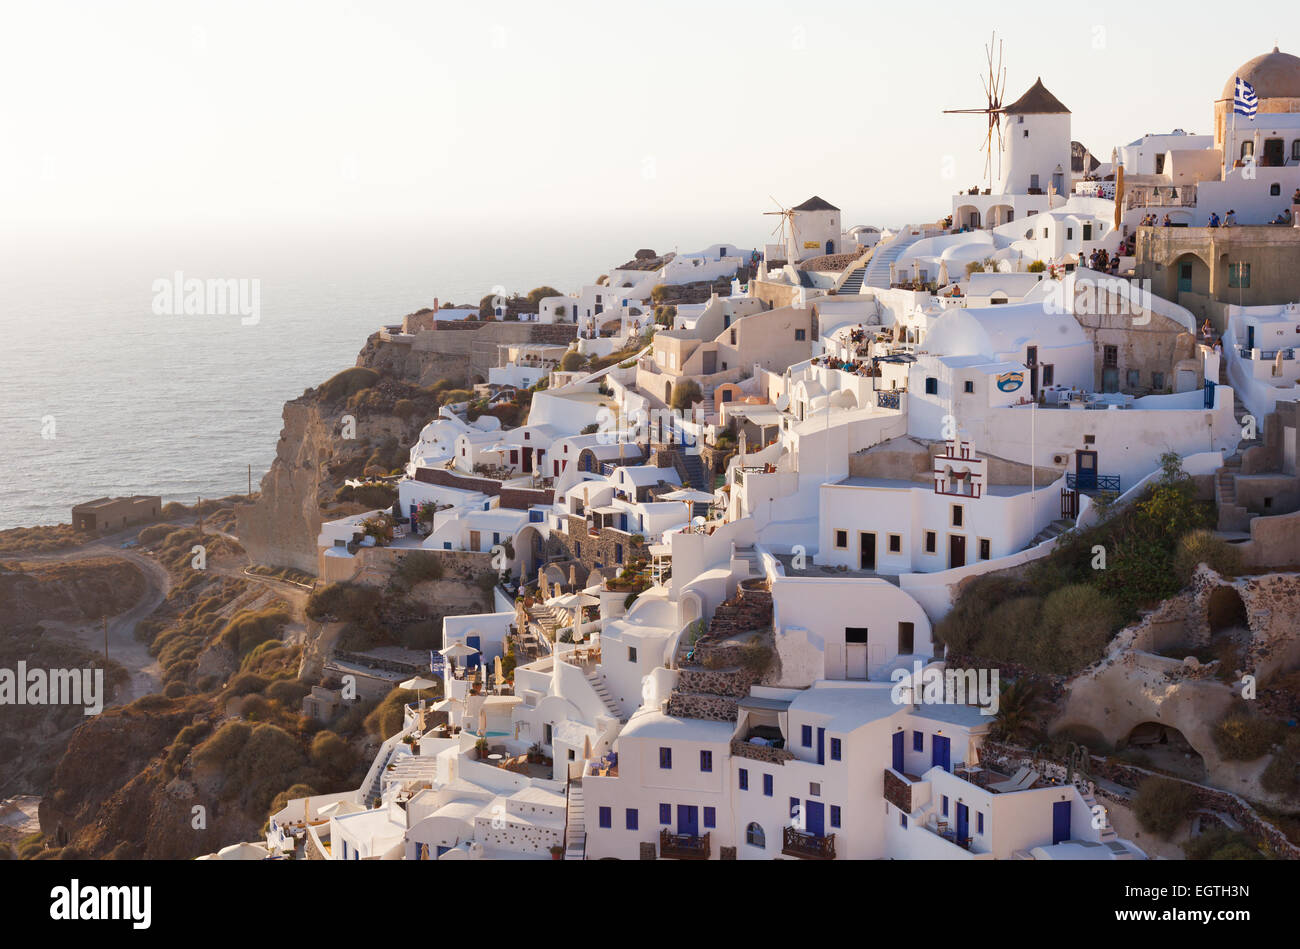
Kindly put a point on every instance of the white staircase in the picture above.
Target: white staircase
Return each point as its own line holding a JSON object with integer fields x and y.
{"x": 597, "y": 680}
{"x": 575, "y": 828}
{"x": 878, "y": 268}
{"x": 750, "y": 556}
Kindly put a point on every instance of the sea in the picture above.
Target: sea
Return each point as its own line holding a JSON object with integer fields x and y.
{"x": 102, "y": 395}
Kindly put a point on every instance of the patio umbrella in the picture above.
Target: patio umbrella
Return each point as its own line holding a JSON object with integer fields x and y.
{"x": 459, "y": 651}
{"x": 417, "y": 684}
{"x": 687, "y": 494}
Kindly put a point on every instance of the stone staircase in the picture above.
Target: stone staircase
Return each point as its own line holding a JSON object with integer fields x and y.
{"x": 878, "y": 270}
{"x": 1232, "y": 516}
{"x": 575, "y": 827}
{"x": 695, "y": 475}
{"x": 597, "y": 680}
{"x": 1054, "y": 529}
{"x": 708, "y": 406}
{"x": 853, "y": 282}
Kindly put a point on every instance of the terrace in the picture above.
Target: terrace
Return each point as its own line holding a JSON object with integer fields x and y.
{"x": 683, "y": 846}
{"x": 799, "y": 843}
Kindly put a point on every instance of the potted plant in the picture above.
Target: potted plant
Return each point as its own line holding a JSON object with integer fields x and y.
{"x": 535, "y": 753}
{"x": 481, "y": 748}
{"x": 557, "y": 851}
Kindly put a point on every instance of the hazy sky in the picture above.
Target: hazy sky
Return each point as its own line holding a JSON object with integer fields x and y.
{"x": 510, "y": 118}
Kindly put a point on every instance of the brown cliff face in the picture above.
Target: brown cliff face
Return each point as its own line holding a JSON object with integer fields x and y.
{"x": 312, "y": 459}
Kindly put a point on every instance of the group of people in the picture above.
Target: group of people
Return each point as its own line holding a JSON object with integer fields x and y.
{"x": 1101, "y": 261}
{"x": 1228, "y": 220}
{"x": 1150, "y": 221}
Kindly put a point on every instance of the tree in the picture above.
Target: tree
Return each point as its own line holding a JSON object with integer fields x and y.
{"x": 537, "y": 294}
{"x": 1018, "y": 706}
{"x": 686, "y": 394}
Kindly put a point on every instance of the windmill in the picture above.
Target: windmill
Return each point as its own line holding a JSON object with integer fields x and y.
{"x": 995, "y": 84}
{"x": 787, "y": 217}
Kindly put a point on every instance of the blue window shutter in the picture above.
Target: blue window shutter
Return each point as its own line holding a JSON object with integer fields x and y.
{"x": 706, "y": 761}
{"x": 710, "y": 817}
{"x": 945, "y": 805}
{"x": 835, "y": 815}
{"x": 665, "y": 813}
{"x": 744, "y": 780}
{"x": 794, "y": 806}
{"x": 979, "y": 822}
{"x": 665, "y": 758}
{"x": 805, "y": 736}
{"x": 606, "y": 817}
{"x": 767, "y": 785}
{"x": 633, "y": 819}
{"x": 918, "y": 741}
{"x": 835, "y": 749}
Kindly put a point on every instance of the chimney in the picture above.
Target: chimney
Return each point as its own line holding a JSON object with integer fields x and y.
{"x": 435, "y": 304}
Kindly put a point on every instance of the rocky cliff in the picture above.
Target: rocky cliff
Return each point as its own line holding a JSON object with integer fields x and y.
{"x": 392, "y": 392}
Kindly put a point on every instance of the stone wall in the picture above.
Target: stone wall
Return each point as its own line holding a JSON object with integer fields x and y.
{"x": 710, "y": 708}
{"x": 764, "y": 753}
{"x": 1008, "y": 758}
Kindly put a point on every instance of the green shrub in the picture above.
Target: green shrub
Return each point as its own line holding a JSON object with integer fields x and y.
{"x": 225, "y": 745}
{"x": 344, "y": 601}
{"x": 419, "y": 567}
{"x": 1077, "y": 623}
{"x": 572, "y": 361}
{"x": 1202, "y": 547}
{"x": 248, "y": 629}
{"x": 347, "y": 383}
{"x": 1162, "y": 804}
{"x": 1220, "y": 843}
{"x": 1243, "y": 737}
{"x": 247, "y": 682}
{"x": 332, "y": 754}
{"x": 287, "y": 692}
{"x": 386, "y": 719}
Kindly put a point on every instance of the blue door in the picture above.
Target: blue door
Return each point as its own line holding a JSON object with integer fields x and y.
{"x": 1060, "y": 821}
{"x": 688, "y": 820}
{"x": 939, "y": 753}
{"x": 474, "y": 642}
{"x": 816, "y": 816}
{"x": 963, "y": 822}
{"x": 1209, "y": 393}
{"x": 821, "y": 746}
{"x": 898, "y": 752}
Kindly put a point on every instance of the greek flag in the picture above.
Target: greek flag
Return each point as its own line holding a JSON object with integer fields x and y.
{"x": 1244, "y": 101}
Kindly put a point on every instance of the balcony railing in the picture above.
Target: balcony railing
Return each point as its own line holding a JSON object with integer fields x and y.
{"x": 683, "y": 846}
{"x": 887, "y": 400}
{"x": 1094, "y": 483}
{"x": 796, "y": 843}
{"x": 1265, "y": 355}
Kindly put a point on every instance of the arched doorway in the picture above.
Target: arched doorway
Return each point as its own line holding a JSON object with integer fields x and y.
{"x": 830, "y": 247}
{"x": 1187, "y": 274}
{"x": 1166, "y": 748}
{"x": 1225, "y": 611}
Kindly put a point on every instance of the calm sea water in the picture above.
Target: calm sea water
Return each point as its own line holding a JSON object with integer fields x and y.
{"x": 182, "y": 405}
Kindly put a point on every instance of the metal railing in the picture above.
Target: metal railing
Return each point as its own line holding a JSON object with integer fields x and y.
{"x": 1097, "y": 483}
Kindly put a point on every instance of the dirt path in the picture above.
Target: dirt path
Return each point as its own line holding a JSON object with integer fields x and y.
{"x": 123, "y": 647}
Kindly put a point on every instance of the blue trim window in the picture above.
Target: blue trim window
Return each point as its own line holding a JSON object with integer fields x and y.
{"x": 744, "y": 779}
{"x": 767, "y": 785}
{"x": 606, "y": 817}
{"x": 795, "y": 810}
{"x": 710, "y": 817}
{"x": 835, "y": 749}
{"x": 945, "y": 805}
{"x": 918, "y": 741}
{"x": 633, "y": 819}
{"x": 666, "y": 758}
{"x": 979, "y": 822}
{"x": 902, "y": 820}
{"x": 706, "y": 761}
{"x": 805, "y": 736}
{"x": 665, "y": 813}
{"x": 835, "y": 815}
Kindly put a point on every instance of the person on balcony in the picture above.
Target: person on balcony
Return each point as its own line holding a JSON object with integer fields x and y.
{"x": 1230, "y": 220}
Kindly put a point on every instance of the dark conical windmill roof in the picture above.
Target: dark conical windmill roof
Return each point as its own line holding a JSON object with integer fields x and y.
{"x": 1036, "y": 101}
{"x": 815, "y": 203}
